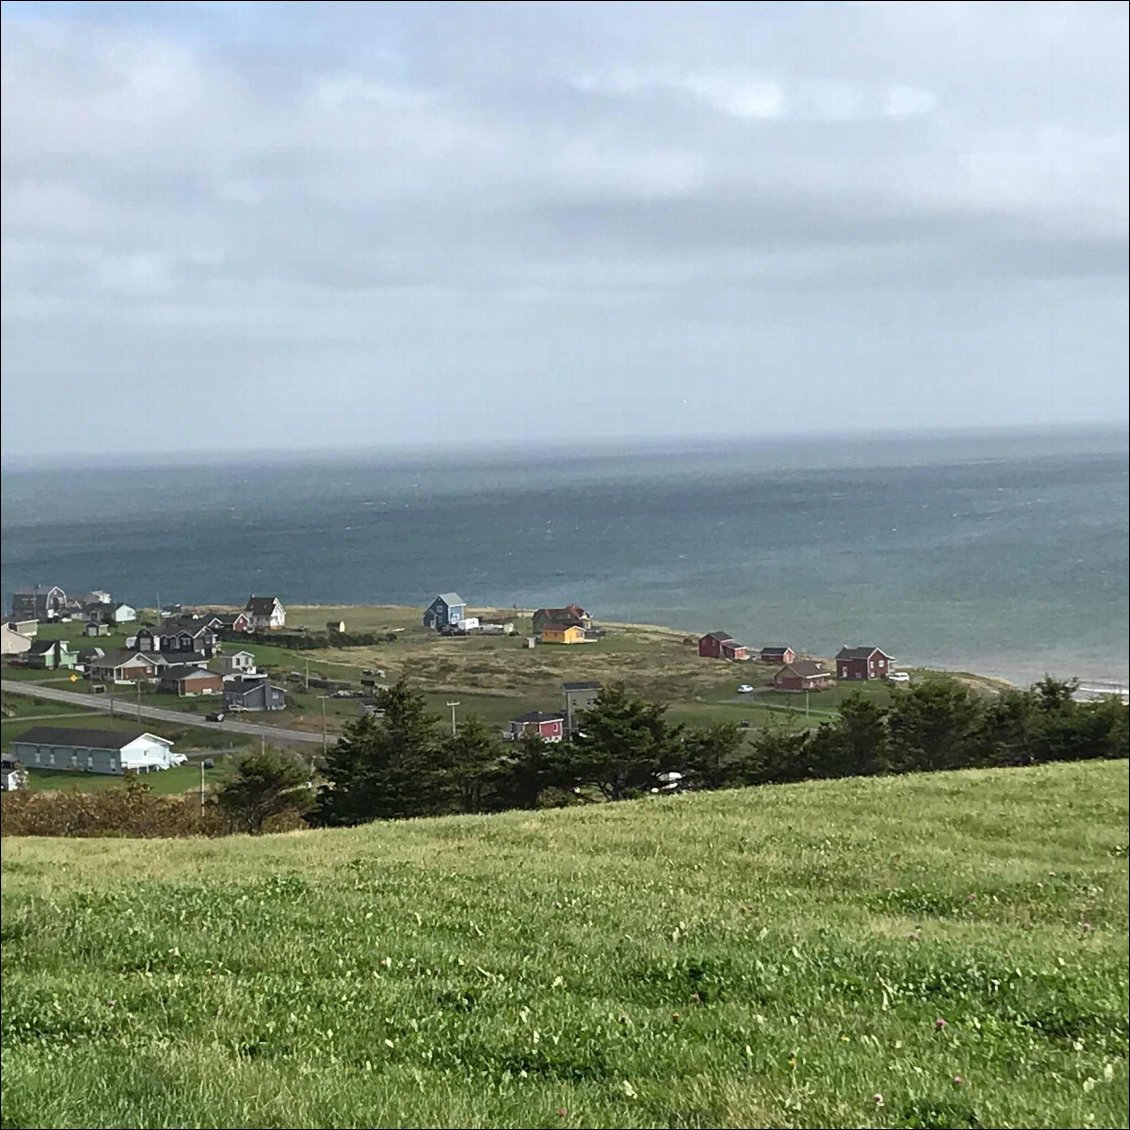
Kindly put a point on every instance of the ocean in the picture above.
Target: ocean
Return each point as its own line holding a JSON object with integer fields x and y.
{"x": 1003, "y": 553}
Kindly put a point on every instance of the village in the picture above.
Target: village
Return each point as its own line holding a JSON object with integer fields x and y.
{"x": 228, "y": 663}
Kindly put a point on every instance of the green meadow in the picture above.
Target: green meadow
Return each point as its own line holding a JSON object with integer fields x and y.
{"x": 943, "y": 950}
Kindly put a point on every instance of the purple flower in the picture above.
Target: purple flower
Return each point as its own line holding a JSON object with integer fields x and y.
{"x": 941, "y": 1024}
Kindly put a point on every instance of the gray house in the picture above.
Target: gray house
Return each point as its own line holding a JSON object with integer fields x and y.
{"x": 253, "y": 692}
{"x": 93, "y": 751}
{"x": 445, "y": 611}
{"x": 39, "y": 603}
{"x": 579, "y": 697}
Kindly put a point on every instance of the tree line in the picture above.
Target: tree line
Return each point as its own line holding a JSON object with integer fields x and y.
{"x": 401, "y": 763}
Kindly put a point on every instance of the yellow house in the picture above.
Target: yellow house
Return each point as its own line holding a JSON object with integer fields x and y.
{"x": 562, "y": 633}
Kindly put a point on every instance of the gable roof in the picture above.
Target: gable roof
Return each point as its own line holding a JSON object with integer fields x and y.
{"x": 450, "y": 598}
{"x": 43, "y": 647}
{"x": 187, "y": 671}
{"x": 721, "y": 637}
{"x": 91, "y": 739}
{"x": 860, "y": 653}
{"x": 806, "y": 668}
{"x": 775, "y": 650}
{"x": 261, "y": 605}
{"x": 560, "y": 627}
{"x": 539, "y": 716}
{"x": 124, "y": 655}
{"x": 591, "y": 685}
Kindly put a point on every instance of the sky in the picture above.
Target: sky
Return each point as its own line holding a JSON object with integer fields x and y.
{"x": 279, "y": 226}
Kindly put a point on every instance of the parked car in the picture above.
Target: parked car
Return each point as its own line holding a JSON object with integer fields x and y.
{"x": 900, "y": 677}
{"x": 745, "y": 688}
{"x": 215, "y": 716}
{"x": 178, "y": 759}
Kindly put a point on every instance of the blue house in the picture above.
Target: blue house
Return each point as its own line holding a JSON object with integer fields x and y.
{"x": 445, "y": 611}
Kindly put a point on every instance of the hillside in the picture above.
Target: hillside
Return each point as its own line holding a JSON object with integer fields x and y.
{"x": 928, "y": 951}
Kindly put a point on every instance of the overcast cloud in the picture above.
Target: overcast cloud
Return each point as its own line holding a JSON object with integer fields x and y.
{"x": 281, "y": 225}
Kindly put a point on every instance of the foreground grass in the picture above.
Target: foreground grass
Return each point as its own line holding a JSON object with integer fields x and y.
{"x": 770, "y": 957}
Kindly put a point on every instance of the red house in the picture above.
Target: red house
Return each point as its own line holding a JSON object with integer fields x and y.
{"x": 721, "y": 645}
{"x": 803, "y": 675}
{"x": 548, "y": 727}
{"x": 862, "y": 663}
{"x": 784, "y": 655}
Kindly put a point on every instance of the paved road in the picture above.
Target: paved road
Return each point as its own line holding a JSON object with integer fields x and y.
{"x": 128, "y": 709}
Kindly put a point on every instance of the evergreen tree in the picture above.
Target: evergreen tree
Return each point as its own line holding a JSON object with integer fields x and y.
{"x": 711, "y": 755}
{"x": 470, "y": 759}
{"x": 935, "y": 725}
{"x": 528, "y": 767}
{"x": 386, "y": 766}
{"x": 622, "y": 744}
{"x": 265, "y": 784}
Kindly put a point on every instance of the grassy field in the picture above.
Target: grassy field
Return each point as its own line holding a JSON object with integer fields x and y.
{"x": 169, "y": 782}
{"x": 932, "y": 951}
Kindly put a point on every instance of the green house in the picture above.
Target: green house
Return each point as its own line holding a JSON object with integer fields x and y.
{"x": 51, "y": 654}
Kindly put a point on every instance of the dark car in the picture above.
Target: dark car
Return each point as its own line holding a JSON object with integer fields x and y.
{"x": 215, "y": 716}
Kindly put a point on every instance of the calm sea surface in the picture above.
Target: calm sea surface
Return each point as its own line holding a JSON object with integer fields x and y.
{"x": 1006, "y": 554}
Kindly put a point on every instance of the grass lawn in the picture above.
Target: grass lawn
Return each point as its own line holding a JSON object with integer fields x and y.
{"x": 184, "y": 778}
{"x": 930, "y": 951}
{"x": 16, "y": 706}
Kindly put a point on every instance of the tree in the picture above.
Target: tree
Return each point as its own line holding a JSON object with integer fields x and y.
{"x": 469, "y": 758}
{"x": 529, "y": 767}
{"x": 388, "y": 766}
{"x": 622, "y": 744}
{"x": 266, "y": 783}
{"x": 711, "y": 755}
{"x": 935, "y": 725}
{"x": 855, "y": 744}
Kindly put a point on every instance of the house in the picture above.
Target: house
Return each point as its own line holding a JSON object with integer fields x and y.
{"x": 185, "y": 681}
{"x": 124, "y": 666}
{"x": 579, "y": 697}
{"x": 548, "y": 727}
{"x": 803, "y": 675}
{"x": 862, "y": 663}
{"x": 445, "y": 611}
{"x": 187, "y": 635}
{"x": 98, "y": 596}
{"x": 570, "y": 614}
{"x": 93, "y": 751}
{"x": 228, "y": 622}
{"x": 145, "y": 639}
{"x": 109, "y": 613}
{"x": 88, "y": 655}
{"x": 27, "y": 628}
{"x": 51, "y": 655}
{"x": 13, "y": 643}
{"x": 563, "y": 633}
{"x": 237, "y": 663}
{"x": 12, "y": 774}
{"x": 778, "y": 655}
{"x": 253, "y": 692}
{"x": 266, "y": 612}
{"x": 96, "y": 628}
{"x": 39, "y": 603}
{"x": 369, "y": 708}
{"x": 721, "y": 645}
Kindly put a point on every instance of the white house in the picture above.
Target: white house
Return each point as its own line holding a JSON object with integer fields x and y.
{"x": 266, "y": 612}
{"x": 236, "y": 663}
{"x": 93, "y": 751}
{"x": 12, "y": 775}
{"x": 13, "y": 643}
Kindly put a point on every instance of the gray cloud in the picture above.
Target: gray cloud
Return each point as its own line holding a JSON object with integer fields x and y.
{"x": 674, "y": 217}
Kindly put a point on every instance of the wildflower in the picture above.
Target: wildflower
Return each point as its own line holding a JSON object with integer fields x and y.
{"x": 696, "y": 998}
{"x": 957, "y": 1080}
{"x": 877, "y": 1099}
{"x": 561, "y": 1112}
{"x": 940, "y": 1025}
{"x": 1087, "y": 927}
{"x": 914, "y": 936}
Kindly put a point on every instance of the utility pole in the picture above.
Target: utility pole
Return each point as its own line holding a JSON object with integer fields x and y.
{"x": 323, "y": 725}
{"x": 453, "y": 705}
{"x": 307, "y": 673}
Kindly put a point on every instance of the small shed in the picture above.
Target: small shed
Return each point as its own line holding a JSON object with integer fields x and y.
{"x": 335, "y": 627}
